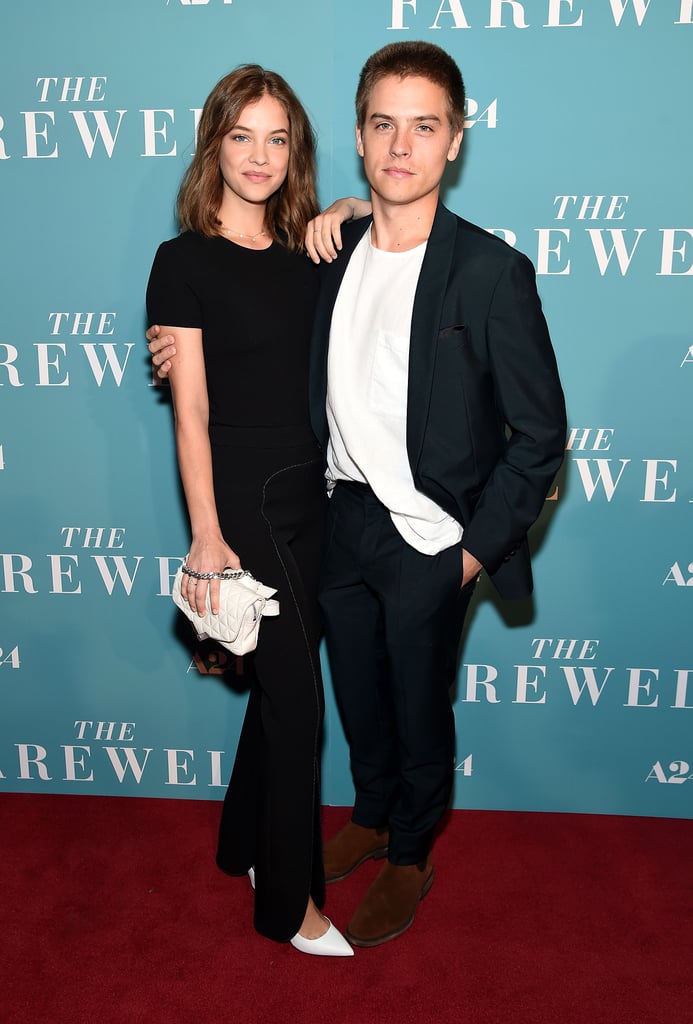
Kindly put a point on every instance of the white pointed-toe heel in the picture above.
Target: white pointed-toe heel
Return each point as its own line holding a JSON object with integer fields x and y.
{"x": 251, "y": 876}
{"x": 332, "y": 943}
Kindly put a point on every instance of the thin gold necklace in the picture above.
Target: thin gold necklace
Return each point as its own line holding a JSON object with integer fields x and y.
{"x": 242, "y": 234}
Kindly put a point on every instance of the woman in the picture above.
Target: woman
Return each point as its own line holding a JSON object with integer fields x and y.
{"x": 237, "y": 295}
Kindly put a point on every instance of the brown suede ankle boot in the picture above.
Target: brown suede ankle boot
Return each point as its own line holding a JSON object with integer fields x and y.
{"x": 353, "y": 845}
{"x": 389, "y": 906}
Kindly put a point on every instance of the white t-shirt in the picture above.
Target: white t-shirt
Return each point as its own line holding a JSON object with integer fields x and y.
{"x": 367, "y": 382}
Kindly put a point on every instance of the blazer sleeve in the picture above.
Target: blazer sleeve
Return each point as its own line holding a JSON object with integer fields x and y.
{"x": 530, "y": 402}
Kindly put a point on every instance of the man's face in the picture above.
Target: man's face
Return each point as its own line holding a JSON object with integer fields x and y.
{"x": 406, "y": 139}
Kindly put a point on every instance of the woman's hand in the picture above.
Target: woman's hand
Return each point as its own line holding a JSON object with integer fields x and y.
{"x": 210, "y": 555}
{"x": 162, "y": 350}
{"x": 323, "y": 235}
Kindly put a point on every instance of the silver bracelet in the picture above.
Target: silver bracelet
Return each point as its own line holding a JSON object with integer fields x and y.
{"x": 235, "y": 574}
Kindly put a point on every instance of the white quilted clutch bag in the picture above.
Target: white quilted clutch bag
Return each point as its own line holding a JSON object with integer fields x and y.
{"x": 242, "y": 603}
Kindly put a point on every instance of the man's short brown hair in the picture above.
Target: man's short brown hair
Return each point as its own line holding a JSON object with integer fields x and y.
{"x": 413, "y": 59}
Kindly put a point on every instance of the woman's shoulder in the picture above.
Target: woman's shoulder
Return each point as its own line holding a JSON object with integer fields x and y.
{"x": 186, "y": 241}
{"x": 177, "y": 281}
{"x": 188, "y": 251}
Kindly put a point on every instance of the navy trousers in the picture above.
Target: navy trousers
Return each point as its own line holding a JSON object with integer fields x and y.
{"x": 393, "y": 621}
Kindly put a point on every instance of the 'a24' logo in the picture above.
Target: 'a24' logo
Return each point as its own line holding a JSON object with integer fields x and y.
{"x": 679, "y": 772}
{"x": 11, "y": 658}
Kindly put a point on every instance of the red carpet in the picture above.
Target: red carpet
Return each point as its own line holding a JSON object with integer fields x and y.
{"x": 113, "y": 911}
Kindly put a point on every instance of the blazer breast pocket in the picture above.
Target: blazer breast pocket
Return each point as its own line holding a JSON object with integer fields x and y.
{"x": 455, "y": 334}
{"x": 456, "y": 367}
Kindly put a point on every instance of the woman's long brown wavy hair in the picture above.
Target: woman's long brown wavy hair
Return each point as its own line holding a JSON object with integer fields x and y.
{"x": 291, "y": 207}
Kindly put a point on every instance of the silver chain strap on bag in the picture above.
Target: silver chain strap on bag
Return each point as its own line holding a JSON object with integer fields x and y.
{"x": 243, "y": 601}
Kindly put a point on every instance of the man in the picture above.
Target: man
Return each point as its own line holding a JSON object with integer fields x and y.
{"x": 436, "y": 397}
{"x": 440, "y": 409}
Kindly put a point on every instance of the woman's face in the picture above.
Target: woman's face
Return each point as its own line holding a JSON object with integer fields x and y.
{"x": 254, "y": 155}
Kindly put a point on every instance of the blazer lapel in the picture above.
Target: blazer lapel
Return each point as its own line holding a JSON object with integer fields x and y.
{"x": 425, "y": 324}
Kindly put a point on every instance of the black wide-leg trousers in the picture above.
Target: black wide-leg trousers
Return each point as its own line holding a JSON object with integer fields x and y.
{"x": 393, "y": 621}
{"x": 269, "y": 489}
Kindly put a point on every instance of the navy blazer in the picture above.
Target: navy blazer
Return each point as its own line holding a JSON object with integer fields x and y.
{"x": 486, "y": 420}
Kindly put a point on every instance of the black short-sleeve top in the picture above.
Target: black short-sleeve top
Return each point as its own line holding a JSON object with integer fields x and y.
{"x": 255, "y": 309}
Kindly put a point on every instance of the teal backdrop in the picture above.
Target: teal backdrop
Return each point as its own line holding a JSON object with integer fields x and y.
{"x": 578, "y": 151}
